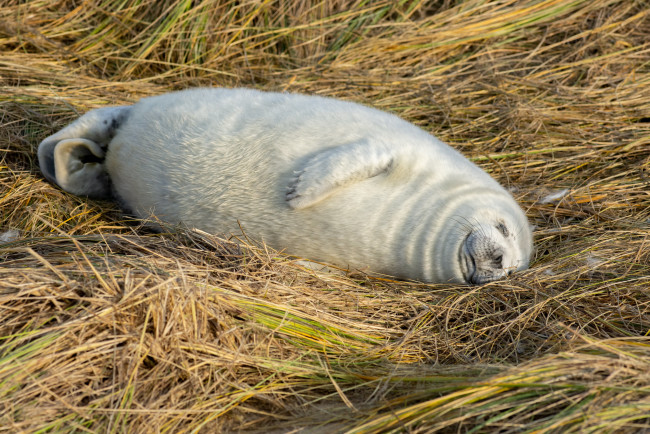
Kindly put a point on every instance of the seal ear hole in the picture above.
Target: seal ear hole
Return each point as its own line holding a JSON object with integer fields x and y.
{"x": 501, "y": 227}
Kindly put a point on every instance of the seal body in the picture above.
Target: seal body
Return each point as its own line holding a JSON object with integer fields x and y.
{"x": 319, "y": 178}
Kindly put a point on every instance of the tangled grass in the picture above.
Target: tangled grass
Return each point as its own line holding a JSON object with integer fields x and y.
{"x": 106, "y": 327}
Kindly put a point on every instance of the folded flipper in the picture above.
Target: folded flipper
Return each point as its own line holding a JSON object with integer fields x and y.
{"x": 79, "y": 170}
{"x": 335, "y": 168}
{"x": 73, "y": 157}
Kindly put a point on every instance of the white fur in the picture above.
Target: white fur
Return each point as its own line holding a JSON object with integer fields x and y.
{"x": 321, "y": 178}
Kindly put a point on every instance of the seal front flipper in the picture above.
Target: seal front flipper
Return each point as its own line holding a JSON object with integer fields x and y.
{"x": 335, "y": 168}
{"x": 73, "y": 157}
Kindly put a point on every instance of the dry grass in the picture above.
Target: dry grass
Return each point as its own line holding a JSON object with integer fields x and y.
{"x": 105, "y": 327}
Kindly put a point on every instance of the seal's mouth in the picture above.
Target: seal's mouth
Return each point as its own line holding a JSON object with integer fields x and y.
{"x": 467, "y": 262}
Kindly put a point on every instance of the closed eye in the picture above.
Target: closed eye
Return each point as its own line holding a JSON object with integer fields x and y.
{"x": 498, "y": 261}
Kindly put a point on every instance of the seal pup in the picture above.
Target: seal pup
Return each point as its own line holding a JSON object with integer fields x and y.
{"x": 320, "y": 178}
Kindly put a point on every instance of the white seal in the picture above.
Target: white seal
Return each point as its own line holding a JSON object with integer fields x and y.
{"x": 319, "y": 178}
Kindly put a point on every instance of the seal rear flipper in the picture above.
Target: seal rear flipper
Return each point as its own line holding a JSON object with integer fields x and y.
{"x": 98, "y": 126}
{"x": 78, "y": 168}
{"x": 337, "y": 167}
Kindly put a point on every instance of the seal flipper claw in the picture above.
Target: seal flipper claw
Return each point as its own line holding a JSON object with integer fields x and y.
{"x": 337, "y": 167}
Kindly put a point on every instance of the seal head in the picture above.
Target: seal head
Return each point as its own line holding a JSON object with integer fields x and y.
{"x": 491, "y": 251}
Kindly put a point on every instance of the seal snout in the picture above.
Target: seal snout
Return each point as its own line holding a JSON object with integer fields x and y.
{"x": 482, "y": 258}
